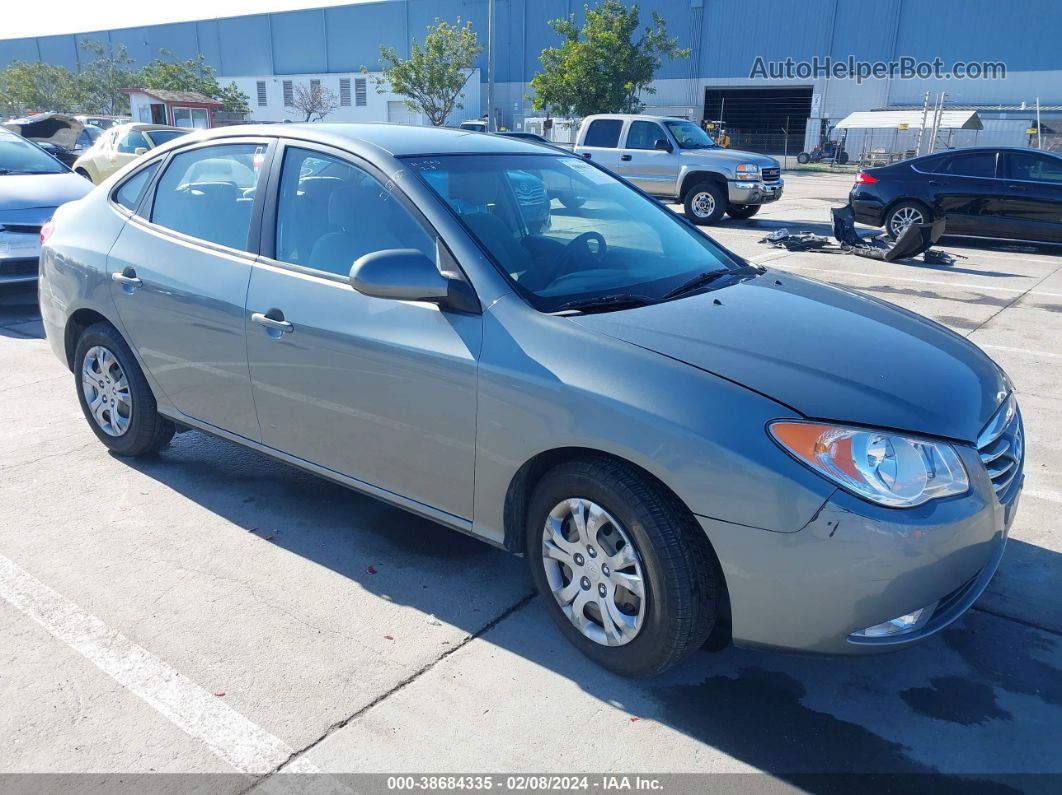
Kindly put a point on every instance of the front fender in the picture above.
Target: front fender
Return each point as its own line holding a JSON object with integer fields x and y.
{"x": 547, "y": 383}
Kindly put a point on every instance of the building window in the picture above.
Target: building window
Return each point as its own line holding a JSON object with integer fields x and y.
{"x": 359, "y": 92}
{"x": 261, "y": 94}
{"x": 344, "y": 91}
{"x": 315, "y": 86}
{"x": 289, "y": 95}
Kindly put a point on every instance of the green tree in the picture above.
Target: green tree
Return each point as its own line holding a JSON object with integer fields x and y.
{"x": 432, "y": 79}
{"x": 101, "y": 79}
{"x": 605, "y": 66}
{"x": 194, "y": 74}
{"x": 233, "y": 100}
{"x": 32, "y": 86}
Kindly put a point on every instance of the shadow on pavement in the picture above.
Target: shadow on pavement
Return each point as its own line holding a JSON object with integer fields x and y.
{"x": 985, "y": 695}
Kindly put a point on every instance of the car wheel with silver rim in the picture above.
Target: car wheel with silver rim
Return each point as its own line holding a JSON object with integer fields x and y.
{"x": 114, "y": 394}
{"x": 903, "y": 215}
{"x": 624, "y": 570}
{"x": 705, "y": 202}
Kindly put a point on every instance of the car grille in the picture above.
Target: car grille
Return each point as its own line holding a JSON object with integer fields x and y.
{"x": 771, "y": 174}
{"x": 530, "y": 194}
{"x": 1001, "y": 446}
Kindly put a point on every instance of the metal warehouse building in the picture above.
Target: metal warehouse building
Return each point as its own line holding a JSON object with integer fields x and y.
{"x": 267, "y": 54}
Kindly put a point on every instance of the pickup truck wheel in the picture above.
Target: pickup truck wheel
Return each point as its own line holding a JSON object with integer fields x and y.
{"x": 742, "y": 211}
{"x": 705, "y": 203}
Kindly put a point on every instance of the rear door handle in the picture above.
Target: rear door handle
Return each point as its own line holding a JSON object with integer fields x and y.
{"x": 1016, "y": 187}
{"x": 127, "y": 278}
{"x": 625, "y": 157}
{"x": 275, "y": 324}
{"x": 586, "y": 155}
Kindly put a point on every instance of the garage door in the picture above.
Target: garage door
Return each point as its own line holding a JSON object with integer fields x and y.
{"x": 398, "y": 113}
{"x": 756, "y": 117}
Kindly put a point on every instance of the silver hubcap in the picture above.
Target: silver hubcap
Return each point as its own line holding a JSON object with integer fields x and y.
{"x": 594, "y": 571}
{"x": 903, "y": 218}
{"x": 703, "y": 204}
{"x": 106, "y": 391}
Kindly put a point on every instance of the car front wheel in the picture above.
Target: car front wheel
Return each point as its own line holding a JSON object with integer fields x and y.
{"x": 625, "y": 572}
{"x": 115, "y": 396}
{"x": 705, "y": 203}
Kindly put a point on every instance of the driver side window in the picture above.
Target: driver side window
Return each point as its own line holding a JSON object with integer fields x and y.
{"x": 330, "y": 213}
{"x": 644, "y": 135}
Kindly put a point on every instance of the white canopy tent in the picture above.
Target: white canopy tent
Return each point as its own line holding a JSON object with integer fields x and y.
{"x": 895, "y": 119}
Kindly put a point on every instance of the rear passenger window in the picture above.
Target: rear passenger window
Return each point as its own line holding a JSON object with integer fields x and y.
{"x": 604, "y": 133}
{"x": 208, "y": 193}
{"x": 974, "y": 164}
{"x": 132, "y": 191}
{"x": 330, "y": 213}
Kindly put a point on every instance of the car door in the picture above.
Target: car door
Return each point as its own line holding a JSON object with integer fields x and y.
{"x": 378, "y": 390}
{"x": 125, "y": 150}
{"x": 1033, "y": 199}
{"x": 179, "y": 274}
{"x": 969, "y": 194}
{"x": 651, "y": 169}
{"x": 601, "y": 144}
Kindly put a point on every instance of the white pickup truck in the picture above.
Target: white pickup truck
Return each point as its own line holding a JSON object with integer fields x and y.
{"x": 677, "y": 160}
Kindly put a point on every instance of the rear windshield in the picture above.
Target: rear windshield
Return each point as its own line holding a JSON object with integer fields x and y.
{"x": 159, "y": 137}
{"x": 18, "y": 156}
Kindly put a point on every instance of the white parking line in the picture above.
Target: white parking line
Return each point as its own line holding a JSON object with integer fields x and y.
{"x": 1009, "y": 349}
{"x": 241, "y": 743}
{"x": 892, "y": 277}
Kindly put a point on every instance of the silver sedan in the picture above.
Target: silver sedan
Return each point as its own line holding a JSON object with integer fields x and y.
{"x": 683, "y": 445}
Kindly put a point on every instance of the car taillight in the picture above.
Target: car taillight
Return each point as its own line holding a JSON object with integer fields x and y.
{"x": 862, "y": 178}
{"x": 46, "y": 231}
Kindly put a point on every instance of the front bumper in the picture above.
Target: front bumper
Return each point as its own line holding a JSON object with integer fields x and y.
{"x": 754, "y": 192}
{"x": 19, "y": 255}
{"x": 857, "y": 565}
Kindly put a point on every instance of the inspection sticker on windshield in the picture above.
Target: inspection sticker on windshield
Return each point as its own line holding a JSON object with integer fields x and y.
{"x": 587, "y": 171}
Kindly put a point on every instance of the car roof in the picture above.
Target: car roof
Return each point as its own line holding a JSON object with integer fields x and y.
{"x": 399, "y": 140}
{"x": 641, "y": 116}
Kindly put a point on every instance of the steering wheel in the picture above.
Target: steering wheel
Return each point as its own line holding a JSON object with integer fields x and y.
{"x": 577, "y": 248}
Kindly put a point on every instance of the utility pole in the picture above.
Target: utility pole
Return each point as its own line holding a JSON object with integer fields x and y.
{"x": 491, "y": 126}
{"x": 922, "y": 129}
{"x": 1039, "y": 132}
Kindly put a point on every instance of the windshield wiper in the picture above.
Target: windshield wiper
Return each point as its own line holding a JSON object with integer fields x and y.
{"x": 606, "y": 302}
{"x": 707, "y": 277}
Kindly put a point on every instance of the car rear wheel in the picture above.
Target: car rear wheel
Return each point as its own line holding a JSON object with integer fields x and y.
{"x": 705, "y": 203}
{"x": 625, "y": 572}
{"x": 742, "y": 211}
{"x": 903, "y": 215}
{"x": 115, "y": 396}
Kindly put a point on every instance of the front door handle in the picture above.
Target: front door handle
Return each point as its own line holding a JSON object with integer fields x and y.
{"x": 586, "y": 155}
{"x": 1016, "y": 187}
{"x": 128, "y": 279}
{"x": 625, "y": 157}
{"x": 272, "y": 323}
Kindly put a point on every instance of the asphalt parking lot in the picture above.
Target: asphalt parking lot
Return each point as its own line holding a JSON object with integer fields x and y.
{"x": 210, "y": 610}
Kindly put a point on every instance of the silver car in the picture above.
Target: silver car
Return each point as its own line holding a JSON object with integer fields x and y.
{"x": 683, "y": 445}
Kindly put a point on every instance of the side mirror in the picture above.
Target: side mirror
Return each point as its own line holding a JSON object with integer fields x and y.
{"x": 140, "y": 150}
{"x": 662, "y": 144}
{"x": 405, "y": 274}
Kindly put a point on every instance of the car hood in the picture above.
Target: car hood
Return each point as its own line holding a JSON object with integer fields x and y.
{"x": 54, "y": 128}
{"x": 28, "y": 193}
{"x": 828, "y": 353}
{"x": 733, "y": 156}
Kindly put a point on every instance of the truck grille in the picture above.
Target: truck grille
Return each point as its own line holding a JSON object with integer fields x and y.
{"x": 771, "y": 174}
{"x": 1001, "y": 446}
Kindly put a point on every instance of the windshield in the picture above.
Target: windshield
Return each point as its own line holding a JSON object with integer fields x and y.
{"x": 21, "y": 157}
{"x": 159, "y": 137}
{"x": 690, "y": 136}
{"x": 564, "y": 230}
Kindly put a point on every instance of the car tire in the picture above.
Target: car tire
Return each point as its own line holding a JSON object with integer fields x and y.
{"x": 671, "y": 557}
{"x": 705, "y": 203}
{"x": 803, "y": 158}
{"x": 742, "y": 211}
{"x": 911, "y": 210}
{"x": 842, "y": 158}
{"x": 114, "y": 394}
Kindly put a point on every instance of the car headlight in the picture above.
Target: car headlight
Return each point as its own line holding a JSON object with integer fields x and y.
{"x": 880, "y": 466}
{"x": 747, "y": 171}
